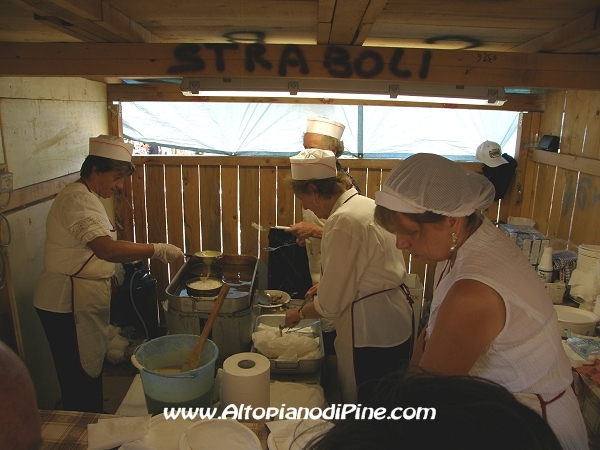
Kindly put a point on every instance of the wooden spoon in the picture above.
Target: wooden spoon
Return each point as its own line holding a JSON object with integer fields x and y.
{"x": 193, "y": 360}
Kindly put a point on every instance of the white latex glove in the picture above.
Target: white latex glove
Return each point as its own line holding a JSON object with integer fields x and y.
{"x": 166, "y": 252}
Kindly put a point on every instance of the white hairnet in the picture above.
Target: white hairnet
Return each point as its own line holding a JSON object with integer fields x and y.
{"x": 427, "y": 182}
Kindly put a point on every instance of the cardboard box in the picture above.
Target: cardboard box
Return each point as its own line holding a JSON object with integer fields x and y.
{"x": 530, "y": 240}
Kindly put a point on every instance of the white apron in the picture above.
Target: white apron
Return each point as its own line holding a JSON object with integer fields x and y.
{"x": 91, "y": 314}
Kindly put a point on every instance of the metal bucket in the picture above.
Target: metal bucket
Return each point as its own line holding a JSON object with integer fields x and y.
{"x": 191, "y": 389}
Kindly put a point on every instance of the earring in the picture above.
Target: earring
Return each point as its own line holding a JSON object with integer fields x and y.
{"x": 454, "y": 239}
{"x": 320, "y": 201}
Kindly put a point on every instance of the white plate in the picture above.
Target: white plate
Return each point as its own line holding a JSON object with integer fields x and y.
{"x": 273, "y": 293}
{"x": 282, "y": 433}
{"x": 216, "y": 434}
{"x": 280, "y": 227}
{"x": 164, "y": 434}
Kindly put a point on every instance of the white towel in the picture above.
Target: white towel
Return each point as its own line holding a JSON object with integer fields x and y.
{"x": 110, "y": 433}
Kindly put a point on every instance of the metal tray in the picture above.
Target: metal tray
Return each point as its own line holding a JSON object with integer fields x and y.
{"x": 239, "y": 272}
{"x": 302, "y": 365}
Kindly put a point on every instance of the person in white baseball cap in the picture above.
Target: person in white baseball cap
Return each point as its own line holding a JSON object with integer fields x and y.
{"x": 361, "y": 274}
{"x": 490, "y": 315}
{"x": 72, "y": 296}
{"x": 490, "y": 153}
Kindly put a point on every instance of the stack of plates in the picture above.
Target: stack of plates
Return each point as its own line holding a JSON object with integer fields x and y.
{"x": 588, "y": 256}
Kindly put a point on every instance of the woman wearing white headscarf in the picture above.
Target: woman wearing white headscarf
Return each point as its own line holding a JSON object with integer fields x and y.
{"x": 490, "y": 315}
{"x": 361, "y": 277}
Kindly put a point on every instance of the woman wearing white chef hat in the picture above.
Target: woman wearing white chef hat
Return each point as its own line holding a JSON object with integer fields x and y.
{"x": 72, "y": 296}
{"x": 361, "y": 276}
{"x": 490, "y": 315}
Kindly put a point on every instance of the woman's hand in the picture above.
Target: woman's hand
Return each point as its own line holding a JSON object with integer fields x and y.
{"x": 303, "y": 230}
{"x": 292, "y": 318}
{"x": 311, "y": 292}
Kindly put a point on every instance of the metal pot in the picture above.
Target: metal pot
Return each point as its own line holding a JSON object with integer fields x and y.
{"x": 196, "y": 291}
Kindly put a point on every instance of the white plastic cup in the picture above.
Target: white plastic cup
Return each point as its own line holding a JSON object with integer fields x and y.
{"x": 545, "y": 268}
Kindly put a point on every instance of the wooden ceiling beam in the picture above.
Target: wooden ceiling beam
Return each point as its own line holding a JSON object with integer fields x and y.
{"x": 371, "y": 15}
{"x": 571, "y": 32}
{"x": 588, "y": 45}
{"x": 118, "y": 23}
{"x": 87, "y": 9}
{"x": 94, "y": 18}
{"x": 67, "y": 28}
{"x": 536, "y": 70}
{"x": 324, "y": 19}
{"x": 347, "y": 17}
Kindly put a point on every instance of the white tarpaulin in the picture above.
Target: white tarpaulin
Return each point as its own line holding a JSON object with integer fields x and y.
{"x": 371, "y": 131}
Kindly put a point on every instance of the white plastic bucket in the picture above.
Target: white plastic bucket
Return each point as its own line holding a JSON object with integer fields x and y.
{"x": 191, "y": 389}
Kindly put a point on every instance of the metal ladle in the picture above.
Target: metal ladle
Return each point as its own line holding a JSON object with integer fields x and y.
{"x": 263, "y": 298}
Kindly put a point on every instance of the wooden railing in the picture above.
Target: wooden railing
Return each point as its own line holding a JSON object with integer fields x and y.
{"x": 211, "y": 202}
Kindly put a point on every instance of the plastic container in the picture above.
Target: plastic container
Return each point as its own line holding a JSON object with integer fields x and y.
{"x": 191, "y": 389}
{"x": 576, "y": 320}
{"x": 556, "y": 291}
{"x": 545, "y": 268}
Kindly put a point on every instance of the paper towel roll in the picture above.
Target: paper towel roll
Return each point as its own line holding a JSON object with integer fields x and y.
{"x": 246, "y": 381}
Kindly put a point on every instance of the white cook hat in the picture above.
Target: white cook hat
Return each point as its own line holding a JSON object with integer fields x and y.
{"x": 111, "y": 147}
{"x": 313, "y": 164}
{"x": 323, "y": 125}
{"x": 490, "y": 153}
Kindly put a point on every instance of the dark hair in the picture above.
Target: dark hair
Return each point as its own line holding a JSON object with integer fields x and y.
{"x": 470, "y": 413}
{"x": 387, "y": 219}
{"x": 123, "y": 168}
{"x": 326, "y": 187}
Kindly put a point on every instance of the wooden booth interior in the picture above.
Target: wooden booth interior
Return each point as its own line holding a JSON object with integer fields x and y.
{"x": 210, "y": 202}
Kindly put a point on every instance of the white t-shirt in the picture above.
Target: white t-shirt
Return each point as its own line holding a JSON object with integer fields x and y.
{"x": 76, "y": 217}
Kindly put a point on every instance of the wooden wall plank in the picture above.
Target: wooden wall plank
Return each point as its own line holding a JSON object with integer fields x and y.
{"x": 124, "y": 212}
{"x": 249, "y": 196}
{"x": 360, "y": 178}
{"x": 285, "y": 197}
{"x": 157, "y": 224}
{"x": 174, "y": 207}
{"x": 210, "y": 207}
{"x": 570, "y": 144}
{"x": 510, "y": 205}
{"x": 591, "y": 146}
{"x": 229, "y": 180}
{"x": 583, "y": 129}
{"x": 268, "y": 206}
{"x": 373, "y": 182}
{"x": 556, "y": 211}
{"x": 138, "y": 186}
{"x": 191, "y": 208}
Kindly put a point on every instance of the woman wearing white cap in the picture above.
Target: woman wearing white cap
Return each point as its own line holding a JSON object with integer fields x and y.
{"x": 362, "y": 274}
{"x": 490, "y": 315}
{"x": 72, "y": 296}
